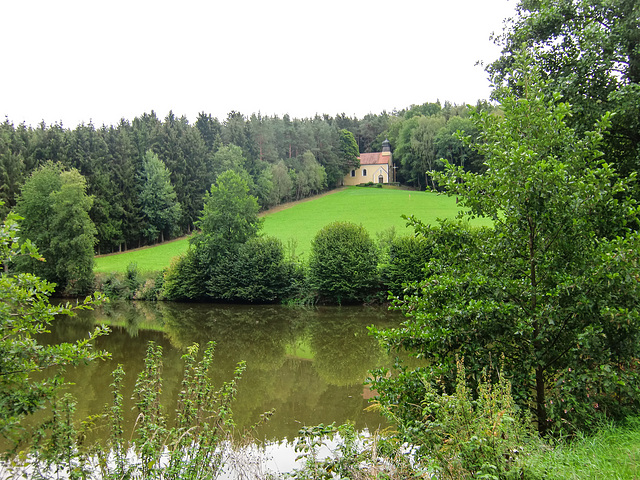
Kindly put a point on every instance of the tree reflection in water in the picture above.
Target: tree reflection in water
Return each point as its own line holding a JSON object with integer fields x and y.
{"x": 307, "y": 364}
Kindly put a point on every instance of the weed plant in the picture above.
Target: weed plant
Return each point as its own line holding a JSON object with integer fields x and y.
{"x": 196, "y": 446}
{"x": 456, "y": 435}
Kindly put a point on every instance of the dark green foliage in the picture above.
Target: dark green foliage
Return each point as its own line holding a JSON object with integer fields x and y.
{"x": 407, "y": 259}
{"x": 227, "y": 260}
{"x": 186, "y": 278}
{"x": 112, "y": 286}
{"x": 131, "y": 280}
{"x": 158, "y": 199}
{"x": 54, "y": 206}
{"x": 12, "y": 166}
{"x": 450, "y": 144}
{"x": 349, "y": 150}
{"x": 343, "y": 263}
{"x": 588, "y": 53}
{"x": 260, "y": 272}
{"x": 552, "y": 286}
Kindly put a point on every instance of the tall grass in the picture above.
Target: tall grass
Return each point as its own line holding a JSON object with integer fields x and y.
{"x": 612, "y": 453}
{"x": 377, "y": 209}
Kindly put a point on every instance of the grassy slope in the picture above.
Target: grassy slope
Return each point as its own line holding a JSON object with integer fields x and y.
{"x": 376, "y": 209}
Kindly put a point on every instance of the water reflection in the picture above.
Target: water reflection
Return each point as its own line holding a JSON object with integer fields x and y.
{"x": 307, "y": 364}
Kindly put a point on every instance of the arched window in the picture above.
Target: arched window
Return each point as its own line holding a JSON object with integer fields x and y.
{"x": 364, "y": 172}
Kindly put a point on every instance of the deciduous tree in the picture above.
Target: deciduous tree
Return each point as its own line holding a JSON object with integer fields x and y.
{"x": 553, "y": 285}
{"x": 588, "y": 52}
{"x": 55, "y": 210}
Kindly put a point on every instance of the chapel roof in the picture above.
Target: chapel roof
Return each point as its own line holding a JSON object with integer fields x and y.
{"x": 374, "y": 158}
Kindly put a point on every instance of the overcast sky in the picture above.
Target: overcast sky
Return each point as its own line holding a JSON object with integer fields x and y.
{"x": 74, "y": 61}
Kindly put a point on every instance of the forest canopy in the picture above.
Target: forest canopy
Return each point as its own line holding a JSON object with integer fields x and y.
{"x": 280, "y": 158}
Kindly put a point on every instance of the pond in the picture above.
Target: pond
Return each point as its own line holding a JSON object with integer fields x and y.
{"x": 307, "y": 364}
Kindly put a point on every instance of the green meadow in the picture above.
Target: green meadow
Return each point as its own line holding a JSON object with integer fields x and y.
{"x": 377, "y": 209}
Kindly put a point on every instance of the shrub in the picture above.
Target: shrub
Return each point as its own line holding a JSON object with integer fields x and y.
{"x": 185, "y": 278}
{"x": 112, "y": 286}
{"x": 343, "y": 262}
{"x": 260, "y": 272}
{"x": 459, "y": 435}
{"x": 150, "y": 289}
{"x": 131, "y": 281}
{"x": 406, "y": 261}
{"x": 196, "y": 446}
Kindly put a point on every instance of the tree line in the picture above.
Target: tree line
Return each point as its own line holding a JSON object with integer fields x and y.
{"x": 148, "y": 177}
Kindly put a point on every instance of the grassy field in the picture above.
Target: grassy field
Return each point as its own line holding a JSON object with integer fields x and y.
{"x": 376, "y": 209}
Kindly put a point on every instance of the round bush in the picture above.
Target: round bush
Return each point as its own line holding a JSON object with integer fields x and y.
{"x": 343, "y": 262}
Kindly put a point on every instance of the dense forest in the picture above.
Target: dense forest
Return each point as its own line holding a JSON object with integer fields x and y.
{"x": 148, "y": 177}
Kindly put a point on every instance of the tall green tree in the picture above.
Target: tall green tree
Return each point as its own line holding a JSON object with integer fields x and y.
{"x": 120, "y": 225}
{"x": 415, "y": 148}
{"x": 349, "y": 149}
{"x": 552, "y": 287}
{"x": 230, "y": 213}
{"x": 450, "y": 143}
{"x": 229, "y": 157}
{"x": 55, "y": 208}
{"x": 588, "y": 52}
{"x": 158, "y": 199}
{"x": 282, "y": 184}
{"x": 310, "y": 178}
{"x": 229, "y": 219}
{"x": 12, "y": 166}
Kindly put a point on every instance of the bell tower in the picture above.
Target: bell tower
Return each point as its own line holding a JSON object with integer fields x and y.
{"x": 386, "y": 152}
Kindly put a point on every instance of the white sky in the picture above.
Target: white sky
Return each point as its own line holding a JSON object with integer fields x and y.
{"x": 87, "y": 60}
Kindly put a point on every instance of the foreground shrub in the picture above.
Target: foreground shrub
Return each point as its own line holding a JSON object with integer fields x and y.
{"x": 352, "y": 455}
{"x": 343, "y": 262}
{"x": 28, "y": 381}
{"x": 458, "y": 435}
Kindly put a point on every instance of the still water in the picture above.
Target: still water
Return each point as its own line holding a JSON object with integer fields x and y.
{"x": 307, "y": 364}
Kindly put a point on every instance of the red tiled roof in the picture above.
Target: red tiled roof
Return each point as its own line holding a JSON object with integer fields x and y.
{"x": 375, "y": 158}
